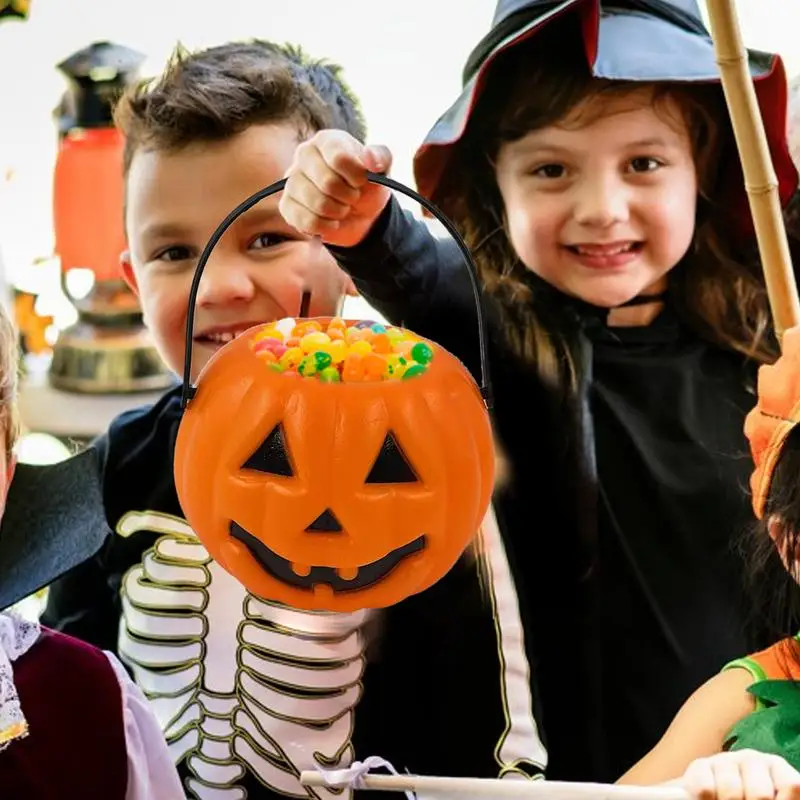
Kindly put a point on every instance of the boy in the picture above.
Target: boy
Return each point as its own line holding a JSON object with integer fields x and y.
{"x": 250, "y": 693}
{"x": 53, "y": 686}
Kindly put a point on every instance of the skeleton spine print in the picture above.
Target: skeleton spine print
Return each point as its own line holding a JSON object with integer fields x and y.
{"x": 238, "y": 684}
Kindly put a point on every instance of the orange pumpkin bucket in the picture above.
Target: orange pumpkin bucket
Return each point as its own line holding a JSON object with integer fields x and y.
{"x": 327, "y": 474}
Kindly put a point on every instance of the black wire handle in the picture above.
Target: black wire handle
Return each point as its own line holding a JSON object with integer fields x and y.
{"x": 188, "y": 390}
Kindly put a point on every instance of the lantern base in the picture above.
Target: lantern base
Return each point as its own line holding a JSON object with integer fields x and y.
{"x": 109, "y": 349}
{"x": 109, "y": 304}
{"x": 91, "y": 359}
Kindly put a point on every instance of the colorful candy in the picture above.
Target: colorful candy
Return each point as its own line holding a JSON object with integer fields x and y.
{"x": 364, "y": 352}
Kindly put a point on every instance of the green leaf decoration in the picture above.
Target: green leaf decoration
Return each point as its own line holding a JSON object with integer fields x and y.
{"x": 775, "y": 726}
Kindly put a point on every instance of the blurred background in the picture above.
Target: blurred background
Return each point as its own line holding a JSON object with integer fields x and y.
{"x": 402, "y": 60}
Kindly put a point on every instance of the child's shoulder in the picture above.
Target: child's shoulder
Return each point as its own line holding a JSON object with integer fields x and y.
{"x": 66, "y": 685}
{"x": 167, "y": 409}
{"x": 780, "y": 661}
{"x": 53, "y": 647}
{"x": 144, "y": 432}
{"x": 772, "y": 675}
{"x": 63, "y": 671}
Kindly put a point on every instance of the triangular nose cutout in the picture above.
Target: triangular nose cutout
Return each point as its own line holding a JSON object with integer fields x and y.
{"x": 326, "y": 522}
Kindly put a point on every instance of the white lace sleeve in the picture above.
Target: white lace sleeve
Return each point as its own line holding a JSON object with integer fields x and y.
{"x": 151, "y": 773}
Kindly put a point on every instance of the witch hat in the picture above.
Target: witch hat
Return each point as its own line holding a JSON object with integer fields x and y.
{"x": 635, "y": 40}
{"x": 30, "y": 562}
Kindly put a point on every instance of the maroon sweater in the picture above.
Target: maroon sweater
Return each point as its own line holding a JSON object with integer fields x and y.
{"x": 76, "y": 745}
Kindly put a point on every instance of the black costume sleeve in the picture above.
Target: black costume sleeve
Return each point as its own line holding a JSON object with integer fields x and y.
{"x": 450, "y": 676}
{"x": 466, "y": 629}
{"x": 416, "y": 280}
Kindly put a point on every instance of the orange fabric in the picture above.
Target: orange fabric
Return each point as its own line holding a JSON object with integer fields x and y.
{"x": 775, "y": 414}
{"x": 781, "y": 661}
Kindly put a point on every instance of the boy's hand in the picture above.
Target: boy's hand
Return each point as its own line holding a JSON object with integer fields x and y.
{"x": 327, "y": 193}
{"x": 742, "y": 775}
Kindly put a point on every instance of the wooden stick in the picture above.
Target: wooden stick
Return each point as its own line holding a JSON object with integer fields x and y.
{"x": 760, "y": 179}
{"x": 427, "y": 785}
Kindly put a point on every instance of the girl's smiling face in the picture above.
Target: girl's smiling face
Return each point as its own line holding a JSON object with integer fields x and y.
{"x": 603, "y": 208}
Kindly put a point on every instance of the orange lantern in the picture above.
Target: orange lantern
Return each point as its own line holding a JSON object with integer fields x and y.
{"x": 88, "y": 185}
{"x": 87, "y": 197}
{"x": 108, "y": 350}
{"x": 331, "y": 464}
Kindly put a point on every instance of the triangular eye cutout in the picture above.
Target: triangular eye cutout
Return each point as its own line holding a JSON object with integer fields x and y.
{"x": 271, "y": 456}
{"x": 391, "y": 466}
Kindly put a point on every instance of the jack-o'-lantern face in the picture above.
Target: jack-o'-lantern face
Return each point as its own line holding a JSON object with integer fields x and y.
{"x": 333, "y": 495}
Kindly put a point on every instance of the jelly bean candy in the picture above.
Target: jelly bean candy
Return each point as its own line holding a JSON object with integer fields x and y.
{"x": 381, "y": 343}
{"x": 269, "y": 332}
{"x": 394, "y": 366}
{"x": 374, "y": 366}
{"x": 292, "y": 357}
{"x": 421, "y": 353}
{"x": 285, "y": 326}
{"x": 306, "y": 326}
{"x": 333, "y": 351}
{"x": 312, "y": 341}
{"x": 322, "y": 360}
{"x": 268, "y": 356}
{"x": 413, "y": 371}
{"x": 352, "y": 369}
{"x": 308, "y": 366}
{"x": 338, "y": 351}
{"x": 267, "y": 343}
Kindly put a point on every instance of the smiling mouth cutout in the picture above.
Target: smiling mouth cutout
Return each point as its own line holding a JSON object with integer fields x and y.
{"x": 281, "y": 569}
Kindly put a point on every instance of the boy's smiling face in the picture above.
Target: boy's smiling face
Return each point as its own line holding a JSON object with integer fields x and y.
{"x": 258, "y": 270}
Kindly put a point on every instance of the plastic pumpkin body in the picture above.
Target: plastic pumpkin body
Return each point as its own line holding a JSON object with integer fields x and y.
{"x": 334, "y": 496}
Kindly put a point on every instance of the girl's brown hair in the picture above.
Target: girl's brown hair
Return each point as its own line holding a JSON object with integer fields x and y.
{"x": 9, "y": 380}
{"x": 717, "y": 291}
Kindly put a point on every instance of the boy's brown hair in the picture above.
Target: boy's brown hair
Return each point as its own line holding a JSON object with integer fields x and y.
{"x": 9, "y": 370}
{"x": 213, "y": 94}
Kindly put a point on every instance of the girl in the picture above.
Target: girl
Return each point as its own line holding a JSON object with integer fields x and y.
{"x": 590, "y": 165}
{"x": 72, "y": 723}
{"x": 754, "y": 703}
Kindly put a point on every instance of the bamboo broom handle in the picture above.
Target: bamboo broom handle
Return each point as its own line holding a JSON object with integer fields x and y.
{"x": 760, "y": 179}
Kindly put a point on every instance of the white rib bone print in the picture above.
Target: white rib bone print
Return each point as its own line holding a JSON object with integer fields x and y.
{"x": 236, "y": 683}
